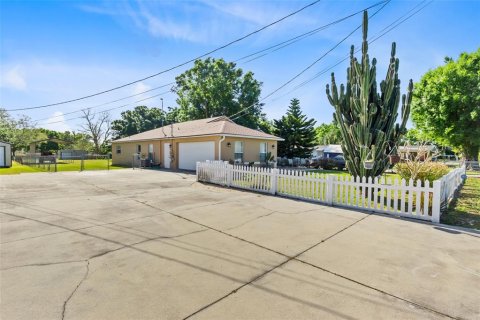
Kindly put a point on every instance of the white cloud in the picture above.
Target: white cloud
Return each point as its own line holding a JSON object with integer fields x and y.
{"x": 14, "y": 79}
{"x": 141, "y": 87}
{"x": 158, "y": 24}
{"x": 250, "y": 12}
{"x": 56, "y": 122}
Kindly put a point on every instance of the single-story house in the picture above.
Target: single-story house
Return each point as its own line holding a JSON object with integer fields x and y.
{"x": 181, "y": 145}
{"x": 417, "y": 152}
{"x": 327, "y": 151}
{"x": 5, "y": 155}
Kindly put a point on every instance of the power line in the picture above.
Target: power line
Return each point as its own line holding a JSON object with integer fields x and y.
{"x": 174, "y": 67}
{"x": 376, "y": 37}
{"x": 237, "y": 114}
{"x": 265, "y": 52}
{"x": 106, "y": 103}
{"x": 302, "y": 36}
{"x": 118, "y": 107}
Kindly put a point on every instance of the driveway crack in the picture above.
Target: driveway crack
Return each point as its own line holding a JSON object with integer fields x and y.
{"x": 146, "y": 240}
{"x": 64, "y": 309}
{"x": 272, "y": 269}
{"x": 251, "y": 220}
{"x": 40, "y": 264}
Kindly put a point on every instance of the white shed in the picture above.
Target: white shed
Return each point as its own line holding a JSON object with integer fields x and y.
{"x": 5, "y": 155}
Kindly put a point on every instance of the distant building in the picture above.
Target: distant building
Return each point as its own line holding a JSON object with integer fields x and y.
{"x": 417, "y": 152}
{"x": 327, "y": 151}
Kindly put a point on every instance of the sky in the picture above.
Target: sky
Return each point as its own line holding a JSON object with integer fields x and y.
{"x": 52, "y": 51}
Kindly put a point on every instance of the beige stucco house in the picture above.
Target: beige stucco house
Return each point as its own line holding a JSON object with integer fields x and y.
{"x": 181, "y": 145}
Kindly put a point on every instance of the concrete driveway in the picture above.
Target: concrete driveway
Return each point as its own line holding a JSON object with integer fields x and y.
{"x": 138, "y": 244}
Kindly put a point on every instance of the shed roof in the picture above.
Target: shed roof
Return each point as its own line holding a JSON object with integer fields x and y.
{"x": 421, "y": 148}
{"x": 204, "y": 127}
{"x": 331, "y": 148}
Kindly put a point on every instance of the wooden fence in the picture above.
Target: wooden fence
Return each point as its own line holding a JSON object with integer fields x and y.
{"x": 402, "y": 198}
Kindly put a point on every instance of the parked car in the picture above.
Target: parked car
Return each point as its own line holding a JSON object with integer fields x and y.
{"x": 339, "y": 162}
{"x": 314, "y": 162}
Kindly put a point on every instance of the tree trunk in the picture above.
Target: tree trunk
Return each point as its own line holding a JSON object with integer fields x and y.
{"x": 471, "y": 152}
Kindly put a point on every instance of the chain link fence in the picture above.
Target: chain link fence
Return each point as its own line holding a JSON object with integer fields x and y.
{"x": 65, "y": 163}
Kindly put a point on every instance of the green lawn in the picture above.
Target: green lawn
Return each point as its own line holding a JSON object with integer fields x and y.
{"x": 17, "y": 168}
{"x": 100, "y": 164}
{"x": 465, "y": 210}
{"x": 345, "y": 173}
{"x": 305, "y": 188}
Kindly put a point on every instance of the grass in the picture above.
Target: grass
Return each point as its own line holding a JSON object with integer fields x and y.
{"x": 354, "y": 196}
{"x": 17, "y": 168}
{"x": 465, "y": 210}
{"x": 392, "y": 176}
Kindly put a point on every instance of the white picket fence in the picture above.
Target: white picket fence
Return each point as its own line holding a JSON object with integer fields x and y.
{"x": 450, "y": 183}
{"x": 402, "y": 198}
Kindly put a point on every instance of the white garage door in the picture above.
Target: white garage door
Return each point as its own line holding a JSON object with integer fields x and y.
{"x": 191, "y": 152}
{"x": 2, "y": 156}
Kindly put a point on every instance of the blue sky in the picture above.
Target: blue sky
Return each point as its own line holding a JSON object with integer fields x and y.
{"x": 57, "y": 50}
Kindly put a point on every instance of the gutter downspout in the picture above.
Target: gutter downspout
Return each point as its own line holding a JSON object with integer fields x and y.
{"x": 220, "y": 148}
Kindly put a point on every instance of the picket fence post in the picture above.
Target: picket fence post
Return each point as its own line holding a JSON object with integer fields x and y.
{"x": 329, "y": 192}
{"x": 198, "y": 173}
{"x": 273, "y": 181}
{"x": 436, "y": 200}
{"x": 229, "y": 175}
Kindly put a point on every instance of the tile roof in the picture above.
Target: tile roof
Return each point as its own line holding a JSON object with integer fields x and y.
{"x": 204, "y": 127}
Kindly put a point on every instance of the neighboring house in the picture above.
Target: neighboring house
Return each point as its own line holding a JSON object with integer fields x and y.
{"x": 181, "y": 145}
{"x": 328, "y": 151}
{"x": 5, "y": 155}
{"x": 417, "y": 152}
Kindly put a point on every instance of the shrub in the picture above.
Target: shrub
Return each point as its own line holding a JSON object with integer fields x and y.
{"x": 327, "y": 163}
{"x": 415, "y": 170}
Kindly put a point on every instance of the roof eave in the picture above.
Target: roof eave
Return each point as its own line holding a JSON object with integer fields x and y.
{"x": 273, "y": 138}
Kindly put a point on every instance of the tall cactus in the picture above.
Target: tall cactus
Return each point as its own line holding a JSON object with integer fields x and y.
{"x": 366, "y": 118}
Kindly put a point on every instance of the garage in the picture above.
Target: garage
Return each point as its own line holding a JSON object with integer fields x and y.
{"x": 191, "y": 152}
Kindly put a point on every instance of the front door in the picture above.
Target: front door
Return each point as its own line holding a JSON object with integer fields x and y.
{"x": 166, "y": 155}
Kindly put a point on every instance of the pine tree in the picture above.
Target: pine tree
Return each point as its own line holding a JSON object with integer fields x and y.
{"x": 298, "y": 132}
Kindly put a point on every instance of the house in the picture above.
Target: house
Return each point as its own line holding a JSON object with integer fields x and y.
{"x": 419, "y": 153}
{"x": 181, "y": 145}
{"x": 5, "y": 155}
{"x": 327, "y": 151}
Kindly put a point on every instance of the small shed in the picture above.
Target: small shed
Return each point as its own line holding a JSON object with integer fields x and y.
{"x": 5, "y": 155}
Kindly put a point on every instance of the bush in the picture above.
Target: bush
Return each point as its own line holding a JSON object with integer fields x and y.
{"x": 415, "y": 170}
{"x": 327, "y": 163}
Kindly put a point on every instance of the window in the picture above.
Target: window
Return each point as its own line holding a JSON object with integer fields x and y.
{"x": 118, "y": 149}
{"x": 139, "y": 148}
{"x": 263, "y": 152}
{"x": 150, "y": 152}
{"x": 238, "y": 151}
